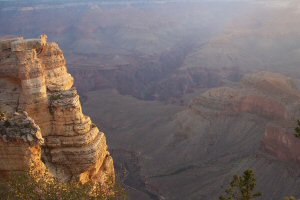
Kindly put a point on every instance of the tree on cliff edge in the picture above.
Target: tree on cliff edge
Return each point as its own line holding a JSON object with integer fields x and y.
{"x": 242, "y": 187}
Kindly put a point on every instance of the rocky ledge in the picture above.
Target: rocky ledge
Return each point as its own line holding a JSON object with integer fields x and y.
{"x": 40, "y": 109}
{"x": 20, "y": 127}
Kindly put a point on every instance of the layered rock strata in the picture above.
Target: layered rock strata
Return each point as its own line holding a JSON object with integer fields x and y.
{"x": 34, "y": 78}
{"x": 272, "y": 97}
{"x": 20, "y": 144}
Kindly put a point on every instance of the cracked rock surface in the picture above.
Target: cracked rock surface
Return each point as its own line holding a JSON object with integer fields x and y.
{"x": 41, "y": 109}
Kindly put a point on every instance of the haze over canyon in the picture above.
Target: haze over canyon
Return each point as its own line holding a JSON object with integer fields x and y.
{"x": 188, "y": 93}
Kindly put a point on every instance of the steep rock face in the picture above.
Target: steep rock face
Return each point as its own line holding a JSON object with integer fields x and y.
{"x": 281, "y": 142}
{"x": 34, "y": 78}
{"x": 155, "y": 79}
{"x": 268, "y": 94}
{"x": 271, "y": 96}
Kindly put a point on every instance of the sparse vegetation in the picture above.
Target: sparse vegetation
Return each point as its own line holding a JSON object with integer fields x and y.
{"x": 297, "y": 129}
{"x": 297, "y": 134}
{"x": 55, "y": 96}
{"x": 2, "y": 115}
{"x": 242, "y": 187}
{"x": 290, "y": 198}
{"x": 25, "y": 186}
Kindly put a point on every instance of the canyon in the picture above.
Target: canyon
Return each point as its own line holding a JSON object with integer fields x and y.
{"x": 191, "y": 151}
{"x": 189, "y": 93}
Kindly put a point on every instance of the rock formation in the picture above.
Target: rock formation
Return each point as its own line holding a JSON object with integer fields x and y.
{"x": 271, "y": 96}
{"x": 267, "y": 94}
{"x": 42, "y": 117}
{"x": 193, "y": 152}
{"x": 20, "y": 144}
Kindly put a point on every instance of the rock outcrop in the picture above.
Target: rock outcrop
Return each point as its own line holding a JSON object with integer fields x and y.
{"x": 270, "y": 96}
{"x": 43, "y": 115}
{"x": 20, "y": 144}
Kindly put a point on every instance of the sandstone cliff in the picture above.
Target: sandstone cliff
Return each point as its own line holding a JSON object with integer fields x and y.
{"x": 42, "y": 118}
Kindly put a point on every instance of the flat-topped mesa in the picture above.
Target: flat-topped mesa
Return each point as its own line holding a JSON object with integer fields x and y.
{"x": 34, "y": 78}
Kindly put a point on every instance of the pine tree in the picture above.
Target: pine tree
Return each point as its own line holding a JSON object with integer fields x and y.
{"x": 242, "y": 187}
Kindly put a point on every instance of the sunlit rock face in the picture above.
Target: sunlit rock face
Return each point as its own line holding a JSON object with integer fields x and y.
{"x": 20, "y": 144}
{"x": 34, "y": 78}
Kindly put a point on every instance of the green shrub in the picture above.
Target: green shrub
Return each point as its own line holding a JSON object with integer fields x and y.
{"x": 24, "y": 186}
{"x": 297, "y": 129}
{"x": 242, "y": 187}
